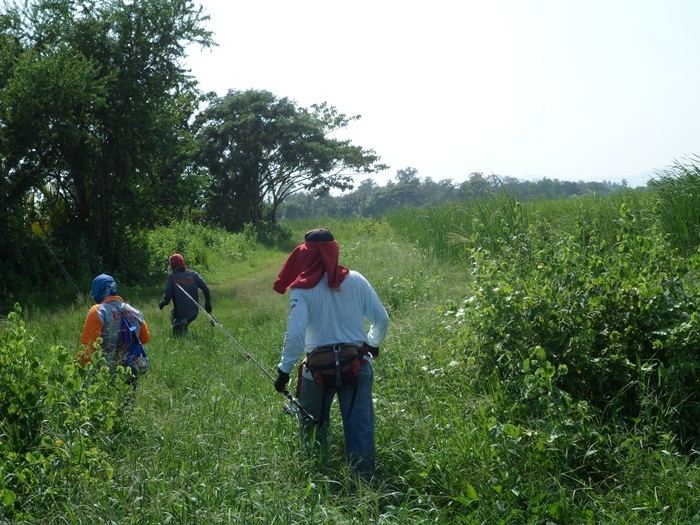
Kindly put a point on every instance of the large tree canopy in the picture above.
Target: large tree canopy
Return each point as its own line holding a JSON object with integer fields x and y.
{"x": 260, "y": 149}
{"x": 94, "y": 111}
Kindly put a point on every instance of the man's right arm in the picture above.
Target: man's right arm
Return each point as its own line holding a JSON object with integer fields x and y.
{"x": 202, "y": 285}
{"x": 167, "y": 293}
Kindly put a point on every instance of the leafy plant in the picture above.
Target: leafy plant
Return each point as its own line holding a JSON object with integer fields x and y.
{"x": 203, "y": 246}
{"x": 612, "y": 325}
{"x": 57, "y": 420}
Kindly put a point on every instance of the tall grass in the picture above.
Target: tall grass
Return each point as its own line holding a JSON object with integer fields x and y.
{"x": 499, "y": 221}
{"x": 678, "y": 203}
{"x": 204, "y": 247}
{"x": 581, "y": 319}
{"x": 206, "y": 440}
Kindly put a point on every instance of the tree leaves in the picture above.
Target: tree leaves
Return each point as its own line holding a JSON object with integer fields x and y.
{"x": 260, "y": 149}
{"x": 94, "y": 120}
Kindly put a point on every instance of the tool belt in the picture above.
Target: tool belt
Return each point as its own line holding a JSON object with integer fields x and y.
{"x": 334, "y": 366}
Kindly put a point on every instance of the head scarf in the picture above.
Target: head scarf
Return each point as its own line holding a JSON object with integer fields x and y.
{"x": 102, "y": 286}
{"x": 176, "y": 261}
{"x": 306, "y": 265}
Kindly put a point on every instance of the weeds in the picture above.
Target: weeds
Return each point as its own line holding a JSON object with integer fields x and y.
{"x": 544, "y": 375}
{"x": 678, "y": 204}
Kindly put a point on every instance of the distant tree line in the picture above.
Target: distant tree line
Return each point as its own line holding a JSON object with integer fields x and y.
{"x": 104, "y": 134}
{"x": 407, "y": 189}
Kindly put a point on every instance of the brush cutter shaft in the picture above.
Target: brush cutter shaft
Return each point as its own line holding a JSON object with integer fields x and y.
{"x": 227, "y": 334}
{"x": 247, "y": 355}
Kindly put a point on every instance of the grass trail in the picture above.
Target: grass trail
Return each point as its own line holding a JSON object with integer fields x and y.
{"x": 206, "y": 440}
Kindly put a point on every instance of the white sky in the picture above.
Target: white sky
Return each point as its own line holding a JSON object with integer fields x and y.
{"x": 567, "y": 89}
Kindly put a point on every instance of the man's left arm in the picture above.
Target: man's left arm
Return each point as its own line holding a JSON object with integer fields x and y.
{"x": 202, "y": 285}
{"x": 294, "y": 338}
{"x": 377, "y": 316}
{"x": 295, "y": 335}
{"x": 167, "y": 293}
{"x": 92, "y": 331}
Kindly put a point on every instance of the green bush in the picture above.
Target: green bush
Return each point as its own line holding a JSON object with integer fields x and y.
{"x": 57, "y": 421}
{"x": 204, "y": 247}
{"x": 580, "y": 319}
{"x": 273, "y": 234}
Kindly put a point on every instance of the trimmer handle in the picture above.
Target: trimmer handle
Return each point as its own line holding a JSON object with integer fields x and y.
{"x": 302, "y": 410}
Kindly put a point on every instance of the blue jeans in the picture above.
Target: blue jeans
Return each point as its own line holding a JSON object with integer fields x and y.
{"x": 358, "y": 418}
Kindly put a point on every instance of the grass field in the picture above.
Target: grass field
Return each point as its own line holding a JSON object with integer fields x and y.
{"x": 206, "y": 440}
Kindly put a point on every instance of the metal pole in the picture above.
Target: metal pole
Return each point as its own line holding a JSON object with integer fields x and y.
{"x": 83, "y": 298}
{"x": 247, "y": 355}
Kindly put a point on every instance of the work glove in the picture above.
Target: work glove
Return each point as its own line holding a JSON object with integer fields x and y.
{"x": 161, "y": 305}
{"x": 281, "y": 381}
{"x": 374, "y": 350}
{"x": 207, "y": 308}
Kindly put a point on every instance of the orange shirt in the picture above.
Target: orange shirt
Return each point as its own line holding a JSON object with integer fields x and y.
{"x": 92, "y": 329}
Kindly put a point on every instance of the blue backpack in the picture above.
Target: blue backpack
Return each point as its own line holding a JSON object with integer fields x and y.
{"x": 136, "y": 357}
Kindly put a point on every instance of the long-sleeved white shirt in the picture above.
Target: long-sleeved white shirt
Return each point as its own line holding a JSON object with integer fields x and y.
{"x": 320, "y": 316}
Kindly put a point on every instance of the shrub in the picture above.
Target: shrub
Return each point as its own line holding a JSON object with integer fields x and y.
{"x": 614, "y": 325}
{"x": 57, "y": 420}
{"x": 272, "y": 234}
{"x": 204, "y": 247}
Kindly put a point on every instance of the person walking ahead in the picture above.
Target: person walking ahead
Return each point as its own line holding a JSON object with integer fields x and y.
{"x": 328, "y": 306}
{"x": 104, "y": 321}
{"x": 184, "y": 310}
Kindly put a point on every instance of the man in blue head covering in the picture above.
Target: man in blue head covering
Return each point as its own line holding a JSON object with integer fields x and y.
{"x": 102, "y": 286}
{"x": 103, "y": 321}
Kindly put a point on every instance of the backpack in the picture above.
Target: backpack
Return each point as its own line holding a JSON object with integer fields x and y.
{"x": 134, "y": 353}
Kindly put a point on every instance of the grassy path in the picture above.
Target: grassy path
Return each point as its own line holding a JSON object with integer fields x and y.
{"x": 207, "y": 441}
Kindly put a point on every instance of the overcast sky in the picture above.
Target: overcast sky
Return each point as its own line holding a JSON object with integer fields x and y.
{"x": 563, "y": 89}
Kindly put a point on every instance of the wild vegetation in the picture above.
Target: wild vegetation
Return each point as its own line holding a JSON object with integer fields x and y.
{"x": 104, "y": 135}
{"x": 541, "y": 364}
{"x": 93, "y": 139}
{"x": 540, "y": 367}
{"x": 259, "y": 150}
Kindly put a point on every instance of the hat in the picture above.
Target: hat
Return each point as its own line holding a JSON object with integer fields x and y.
{"x": 310, "y": 261}
{"x": 102, "y": 286}
{"x": 176, "y": 261}
{"x": 319, "y": 235}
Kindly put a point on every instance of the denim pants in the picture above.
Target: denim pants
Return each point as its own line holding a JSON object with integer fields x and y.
{"x": 357, "y": 414}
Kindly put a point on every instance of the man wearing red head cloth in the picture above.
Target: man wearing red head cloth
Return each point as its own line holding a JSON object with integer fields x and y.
{"x": 181, "y": 287}
{"x": 328, "y": 307}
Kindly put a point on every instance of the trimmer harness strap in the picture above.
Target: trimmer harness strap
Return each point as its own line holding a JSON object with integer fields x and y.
{"x": 334, "y": 366}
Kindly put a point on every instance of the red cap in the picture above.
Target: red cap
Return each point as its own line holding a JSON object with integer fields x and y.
{"x": 176, "y": 261}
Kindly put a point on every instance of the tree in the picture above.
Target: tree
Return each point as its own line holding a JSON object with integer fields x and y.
{"x": 94, "y": 111}
{"x": 407, "y": 175}
{"x": 476, "y": 186}
{"x": 260, "y": 149}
